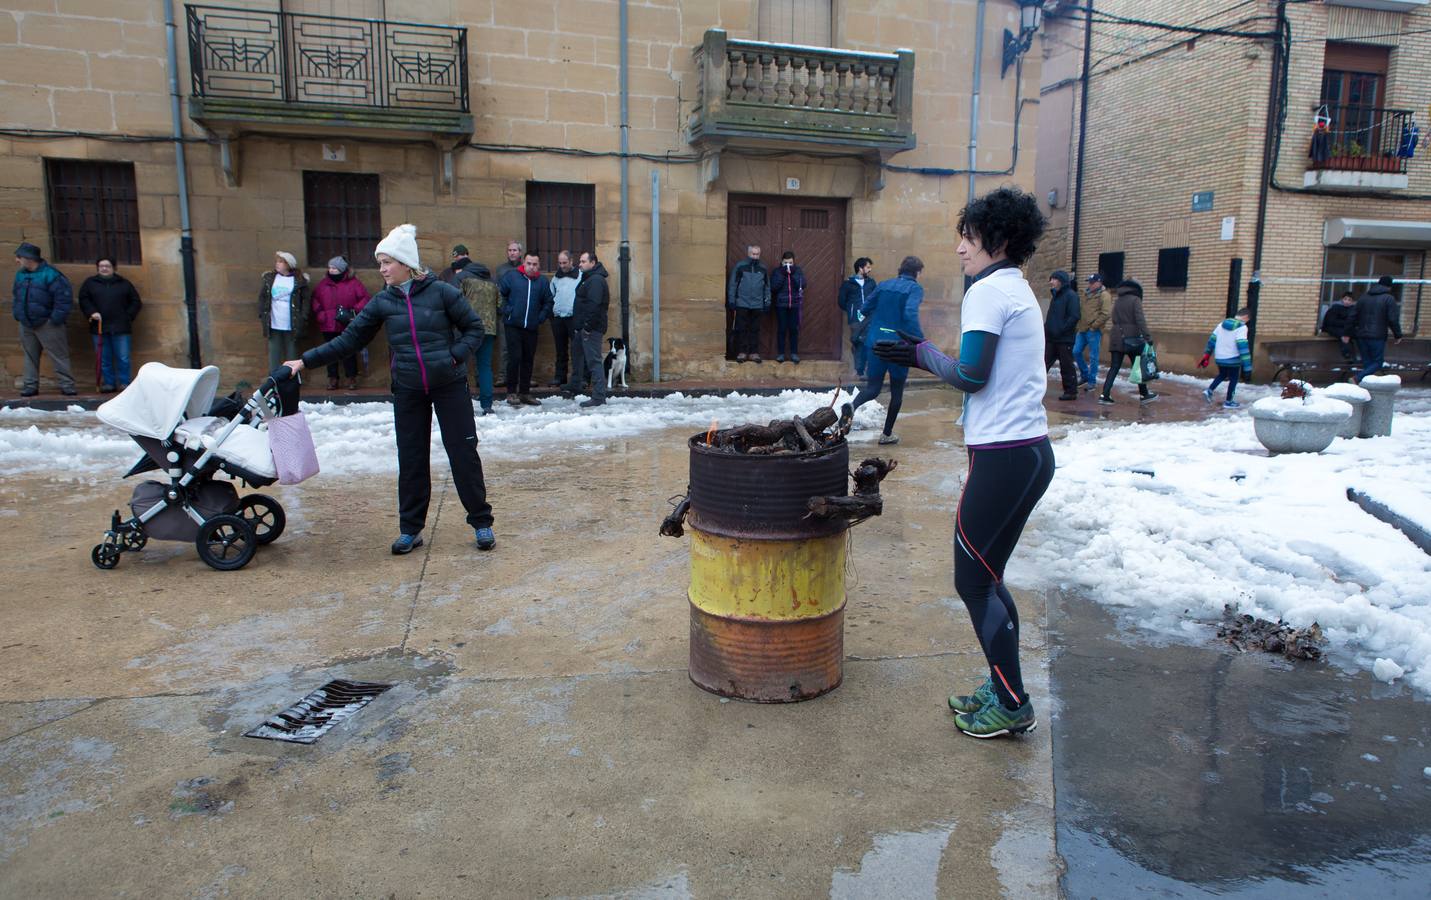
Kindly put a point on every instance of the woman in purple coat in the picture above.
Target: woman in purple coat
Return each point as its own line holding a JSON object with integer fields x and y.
{"x": 337, "y": 300}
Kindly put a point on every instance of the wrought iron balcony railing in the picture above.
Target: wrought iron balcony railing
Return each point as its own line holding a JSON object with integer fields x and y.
{"x": 758, "y": 92}
{"x": 288, "y": 58}
{"x": 1363, "y": 139}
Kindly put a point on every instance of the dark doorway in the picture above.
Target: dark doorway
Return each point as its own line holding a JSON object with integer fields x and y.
{"x": 815, "y": 230}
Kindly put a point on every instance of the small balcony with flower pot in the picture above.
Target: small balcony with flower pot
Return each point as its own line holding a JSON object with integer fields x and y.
{"x": 1361, "y": 148}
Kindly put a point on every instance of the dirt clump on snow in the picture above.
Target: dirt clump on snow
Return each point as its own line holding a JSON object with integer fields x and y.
{"x": 1249, "y": 633}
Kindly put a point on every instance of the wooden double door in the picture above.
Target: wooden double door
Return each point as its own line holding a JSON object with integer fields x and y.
{"x": 814, "y": 229}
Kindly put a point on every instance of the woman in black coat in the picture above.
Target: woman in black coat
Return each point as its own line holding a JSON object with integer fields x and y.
{"x": 419, "y": 314}
{"x": 112, "y": 304}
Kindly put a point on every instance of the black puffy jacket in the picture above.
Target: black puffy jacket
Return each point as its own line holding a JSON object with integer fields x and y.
{"x": 1061, "y": 324}
{"x": 1376, "y": 311}
{"x": 420, "y": 328}
{"x": 593, "y": 298}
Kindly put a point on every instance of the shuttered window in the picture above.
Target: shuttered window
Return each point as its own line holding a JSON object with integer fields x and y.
{"x": 94, "y": 211}
{"x": 560, "y": 216}
{"x": 806, "y": 22}
{"x": 341, "y": 217}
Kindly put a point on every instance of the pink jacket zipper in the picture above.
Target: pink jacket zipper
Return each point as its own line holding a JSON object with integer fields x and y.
{"x": 416, "y": 347}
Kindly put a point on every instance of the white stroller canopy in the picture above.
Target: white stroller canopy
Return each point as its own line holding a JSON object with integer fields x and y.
{"x": 159, "y": 398}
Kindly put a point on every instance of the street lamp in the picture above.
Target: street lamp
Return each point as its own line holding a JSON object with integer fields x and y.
{"x": 1030, "y": 17}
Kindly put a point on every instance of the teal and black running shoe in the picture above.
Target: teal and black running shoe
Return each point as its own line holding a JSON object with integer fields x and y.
{"x": 972, "y": 703}
{"x": 993, "y": 720}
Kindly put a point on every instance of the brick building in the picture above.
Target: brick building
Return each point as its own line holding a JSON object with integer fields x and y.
{"x": 482, "y": 121}
{"x": 1174, "y": 148}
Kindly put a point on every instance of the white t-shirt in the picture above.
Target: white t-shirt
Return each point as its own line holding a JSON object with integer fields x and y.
{"x": 1010, "y": 406}
{"x": 280, "y": 312}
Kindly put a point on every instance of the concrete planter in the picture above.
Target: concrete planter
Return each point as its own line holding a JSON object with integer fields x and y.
{"x": 1376, "y": 421}
{"x": 1291, "y": 426}
{"x": 1357, "y": 398}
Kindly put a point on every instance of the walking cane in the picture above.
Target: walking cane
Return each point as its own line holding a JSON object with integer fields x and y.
{"x": 98, "y": 353}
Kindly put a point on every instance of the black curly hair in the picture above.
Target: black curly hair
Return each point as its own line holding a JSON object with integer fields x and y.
{"x": 1006, "y": 218}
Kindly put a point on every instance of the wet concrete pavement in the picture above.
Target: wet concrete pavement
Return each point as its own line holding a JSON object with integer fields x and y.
{"x": 1187, "y": 771}
{"x": 542, "y": 738}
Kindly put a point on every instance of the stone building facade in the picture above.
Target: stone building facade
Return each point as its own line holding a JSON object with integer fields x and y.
{"x": 1174, "y": 149}
{"x": 875, "y": 133}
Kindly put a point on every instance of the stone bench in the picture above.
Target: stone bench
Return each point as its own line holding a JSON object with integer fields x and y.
{"x": 1325, "y": 356}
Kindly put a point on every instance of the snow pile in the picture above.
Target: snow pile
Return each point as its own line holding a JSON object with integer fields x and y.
{"x": 357, "y": 439}
{"x": 1382, "y": 380}
{"x": 1349, "y": 392}
{"x": 1298, "y": 409}
{"x": 1221, "y": 522}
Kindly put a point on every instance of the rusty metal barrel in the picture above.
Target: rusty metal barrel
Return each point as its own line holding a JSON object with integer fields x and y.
{"x": 767, "y": 592}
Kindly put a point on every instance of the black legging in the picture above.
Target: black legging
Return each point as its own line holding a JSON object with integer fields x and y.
{"x": 1115, "y": 362}
{"x": 1002, "y": 488}
{"x": 872, "y": 388}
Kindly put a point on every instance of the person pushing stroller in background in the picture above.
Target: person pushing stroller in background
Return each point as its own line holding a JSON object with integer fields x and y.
{"x": 419, "y": 314}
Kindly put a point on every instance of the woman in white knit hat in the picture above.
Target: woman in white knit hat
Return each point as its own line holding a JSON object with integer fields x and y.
{"x": 284, "y": 304}
{"x": 419, "y": 314}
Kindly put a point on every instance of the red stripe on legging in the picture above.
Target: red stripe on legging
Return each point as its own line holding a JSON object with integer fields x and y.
{"x": 959, "y": 526}
{"x": 1006, "y": 686}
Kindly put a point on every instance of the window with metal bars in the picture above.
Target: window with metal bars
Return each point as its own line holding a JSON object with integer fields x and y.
{"x": 94, "y": 211}
{"x": 560, "y": 216}
{"x": 341, "y": 217}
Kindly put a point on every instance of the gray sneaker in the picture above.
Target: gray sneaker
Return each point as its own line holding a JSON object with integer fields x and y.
{"x": 889, "y": 439}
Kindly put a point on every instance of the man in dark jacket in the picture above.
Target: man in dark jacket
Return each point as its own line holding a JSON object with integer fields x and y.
{"x": 1376, "y": 311}
{"x": 41, "y": 301}
{"x": 588, "y": 322}
{"x": 748, "y": 294}
{"x": 1060, "y": 329}
{"x": 853, "y": 294}
{"x": 526, "y": 303}
{"x": 112, "y": 304}
{"x": 462, "y": 267}
{"x": 1339, "y": 323}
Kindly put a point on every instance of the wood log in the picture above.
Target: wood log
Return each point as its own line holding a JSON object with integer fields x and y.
{"x": 858, "y": 507}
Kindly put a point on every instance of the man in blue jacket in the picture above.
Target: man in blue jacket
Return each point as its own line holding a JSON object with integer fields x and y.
{"x": 853, "y": 294}
{"x": 41, "y": 301}
{"x": 892, "y": 308}
{"x": 526, "y": 303}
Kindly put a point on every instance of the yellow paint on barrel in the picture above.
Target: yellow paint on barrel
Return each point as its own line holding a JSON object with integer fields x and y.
{"x": 767, "y": 580}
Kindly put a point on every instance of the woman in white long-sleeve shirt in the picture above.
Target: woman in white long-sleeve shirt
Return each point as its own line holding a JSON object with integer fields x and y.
{"x": 1000, "y": 369}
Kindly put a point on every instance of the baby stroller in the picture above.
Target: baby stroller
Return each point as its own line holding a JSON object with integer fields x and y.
{"x": 172, "y": 415}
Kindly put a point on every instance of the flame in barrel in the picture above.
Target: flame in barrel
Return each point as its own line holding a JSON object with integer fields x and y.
{"x": 710, "y": 435}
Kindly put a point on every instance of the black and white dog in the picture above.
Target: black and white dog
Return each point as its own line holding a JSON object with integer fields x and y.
{"x": 615, "y": 362}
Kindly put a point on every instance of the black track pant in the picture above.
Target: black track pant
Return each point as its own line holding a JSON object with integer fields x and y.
{"x": 1058, "y": 350}
{"x": 412, "y": 420}
{"x": 1002, "y": 488}
{"x": 521, "y": 353}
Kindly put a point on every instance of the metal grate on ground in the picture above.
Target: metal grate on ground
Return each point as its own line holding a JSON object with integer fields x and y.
{"x": 310, "y": 718}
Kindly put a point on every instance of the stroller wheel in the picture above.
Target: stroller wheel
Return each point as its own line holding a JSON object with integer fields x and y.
{"x": 226, "y": 542}
{"x": 104, "y": 556}
{"x": 135, "y": 540}
{"x": 264, "y": 515}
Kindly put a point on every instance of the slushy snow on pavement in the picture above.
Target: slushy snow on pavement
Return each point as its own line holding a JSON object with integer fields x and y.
{"x": 357, "y": 438}
{"x": 1218, "y": 522}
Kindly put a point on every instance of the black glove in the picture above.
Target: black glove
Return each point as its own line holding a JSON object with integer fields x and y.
{"x": 902, "y": 352}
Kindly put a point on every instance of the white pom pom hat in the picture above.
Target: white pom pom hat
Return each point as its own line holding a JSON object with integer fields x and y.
{"x": 401, "y": 245}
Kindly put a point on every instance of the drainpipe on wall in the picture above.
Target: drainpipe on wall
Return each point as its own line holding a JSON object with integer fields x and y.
{"x": 1254, "y": 287}
{"x": 656, "y": 276}
{"x": 1082, "y": 139}
{"x": 624, "y": 253}
{"x": 974, "y": 96}
{"x": 186, "y": 233}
